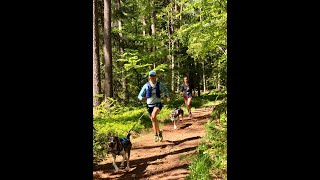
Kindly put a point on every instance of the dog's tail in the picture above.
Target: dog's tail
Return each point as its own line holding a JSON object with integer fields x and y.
{"x": 128, "y": 136}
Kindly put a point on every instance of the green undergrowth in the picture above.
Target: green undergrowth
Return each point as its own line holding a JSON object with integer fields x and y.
{"x": 211, "y": 158}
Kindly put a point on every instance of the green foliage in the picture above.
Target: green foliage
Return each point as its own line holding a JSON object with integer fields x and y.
{"x": 204, "y": 37}
{"x": 99, "y": 146}
{"x": 109, "y": 107}
{"x": 220, "y": 109}
{"x": 212, "y": 157}
{"x": 200, "y": 35}
{"x": 131, "y": 61}
{"x": 208, "y": 32}
{"x": 200, "y": 168}
{"x": 217, "y": 140}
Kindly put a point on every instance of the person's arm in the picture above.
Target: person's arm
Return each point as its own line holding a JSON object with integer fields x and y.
{"x": 142, "y": 92}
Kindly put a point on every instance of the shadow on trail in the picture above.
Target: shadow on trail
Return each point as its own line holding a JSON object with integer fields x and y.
{"x": 140, "y": 165}
{"x": 184, "y": 140}
{"x": 185, "y": 126}
{"x": 173, "y": 143}
{"x": 141, "y": 176}
{"x": 201, "y": 117}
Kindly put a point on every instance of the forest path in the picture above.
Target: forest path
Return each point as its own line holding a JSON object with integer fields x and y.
{"x": 160, "y": 160}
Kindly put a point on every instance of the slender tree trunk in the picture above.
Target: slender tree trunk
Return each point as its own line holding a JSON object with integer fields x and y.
{"x": 101, "y": 43}
{"x": 203, "y": 78}
{"x": 153, "y": 21}
{"x": 124, "y": 79}
{"x": 107, "y": 49}
{"x": 199, "y": 65}
{"x": 218, "y": 87}
{"x": 172, "y": 65}
{"x": 172, "y": 41}
{"x": 144, "y": 25}
{"x": 153, "y": 28}
{"x": 181, "y": 7}
{"x": 178, "y": 47}
{"x": 218, "y": 79}
{"x": 96, "y": 59}
{"x": 120, "y": 27}
{"x": 197, "y": 77}
{"x": 178, "y": 76}
{"x": 169, "y": 57}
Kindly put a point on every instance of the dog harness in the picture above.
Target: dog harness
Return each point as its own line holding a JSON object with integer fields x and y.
{"x": 124, "y": 142}
{"x": 176, "y": 111}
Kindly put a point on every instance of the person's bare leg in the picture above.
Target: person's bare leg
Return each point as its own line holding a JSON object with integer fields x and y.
{"x": 188, "y": 105}
{"x": 154, "y": 120}
{"x": 153, "y": 125}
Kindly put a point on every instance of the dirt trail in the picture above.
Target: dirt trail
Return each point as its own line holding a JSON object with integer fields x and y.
{"x": 160, "y": 160}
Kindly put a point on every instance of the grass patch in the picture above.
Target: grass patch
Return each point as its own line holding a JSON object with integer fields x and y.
{"x": 200, "y": 168}
{"x": 211, "y": 162}
{"x": 188, "y": 157}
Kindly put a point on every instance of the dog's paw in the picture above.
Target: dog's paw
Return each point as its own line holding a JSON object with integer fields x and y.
{"x": 117, "y": 170}
{"x": 127, "y": 169}
{"x": 174, "y": 127}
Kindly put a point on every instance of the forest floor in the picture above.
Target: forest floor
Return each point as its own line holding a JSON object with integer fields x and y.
{"x": 160, "y": 160}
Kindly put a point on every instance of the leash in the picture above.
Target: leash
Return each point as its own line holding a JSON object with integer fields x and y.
{"x": 136, "y": 123}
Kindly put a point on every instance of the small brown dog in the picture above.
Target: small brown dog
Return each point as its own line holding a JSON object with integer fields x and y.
{"x": 120, "y": 146}
{"x": 174, "y": 116}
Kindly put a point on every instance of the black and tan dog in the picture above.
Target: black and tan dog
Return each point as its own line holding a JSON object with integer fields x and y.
{"x": 174, "y": 116}
{"x": 120, "y": 146}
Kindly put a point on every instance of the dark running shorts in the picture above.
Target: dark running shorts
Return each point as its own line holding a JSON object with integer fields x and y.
{"x": 150, "y": 107}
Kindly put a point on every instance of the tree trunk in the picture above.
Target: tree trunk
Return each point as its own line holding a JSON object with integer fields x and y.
{"x": 96, "y": 58}
{"x": 107, "y": 49}
{"x": 144, "y": 25}
{"x": 178, "y": 47}
{"x": 172, "y": 75}
{"x": 197, "y": 70}
{"x": 169, "y": 57}
{"x": 153, "y": 28}
{"x": 120, "y": 28}
{"x": 218, "y": 83}
{"x": 178, "y": 76}
{"x": 124, "y": 79}
{"x": 172, "y": 48}
{"x": 203, "y": 78}
{"x": 218, "y": 86}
